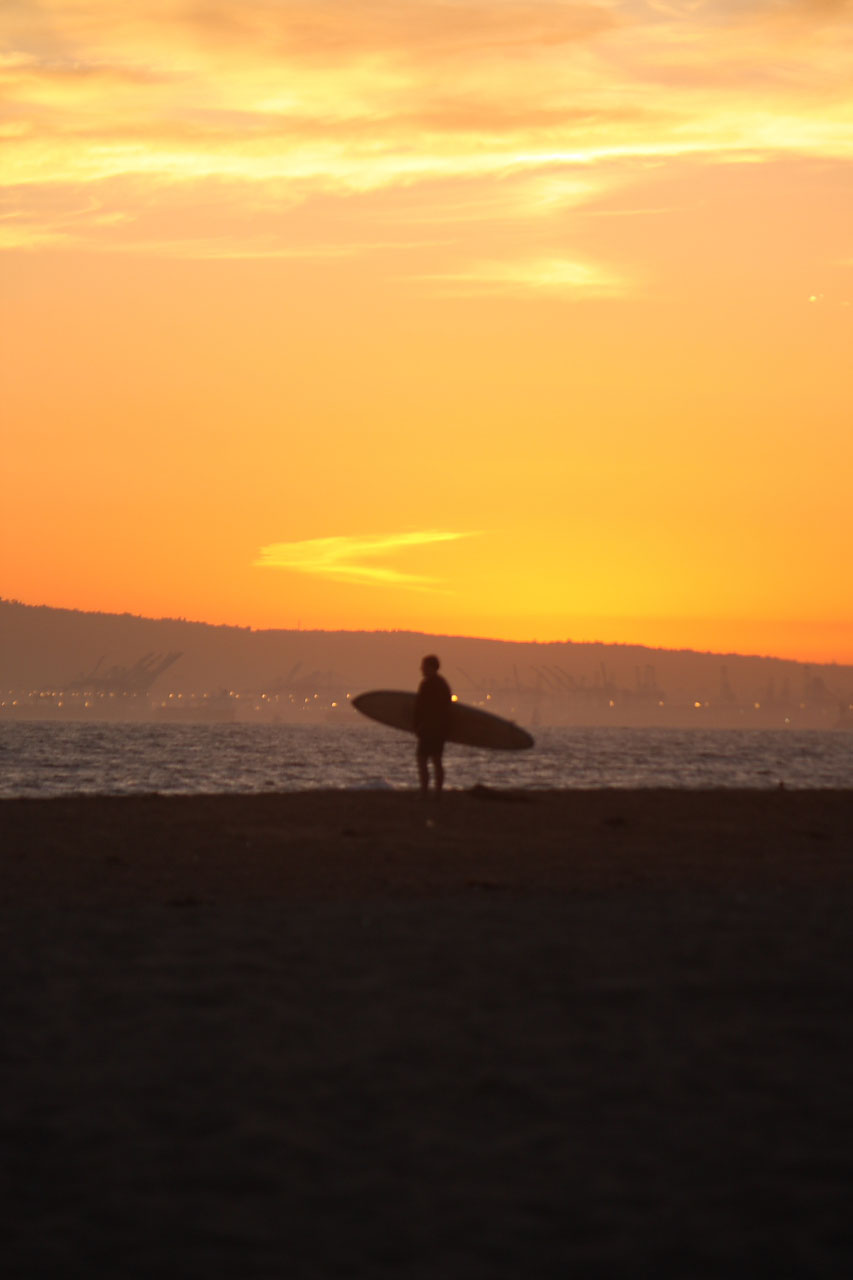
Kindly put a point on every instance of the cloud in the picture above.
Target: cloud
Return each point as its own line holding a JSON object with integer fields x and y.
{"x": 402, "y": 28}
{"x": 536, "y": 276}
{"x": 342, "y": 559}
{"x": 282, "y": 102}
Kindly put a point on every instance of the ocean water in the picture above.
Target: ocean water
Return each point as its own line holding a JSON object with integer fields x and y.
{"x": 48, "y": 759}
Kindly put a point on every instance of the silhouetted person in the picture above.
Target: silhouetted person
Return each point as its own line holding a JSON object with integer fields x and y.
{"x": 432, "y": 722}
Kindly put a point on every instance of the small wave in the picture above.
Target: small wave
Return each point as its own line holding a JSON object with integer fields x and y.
{"x": 52, "y": 760}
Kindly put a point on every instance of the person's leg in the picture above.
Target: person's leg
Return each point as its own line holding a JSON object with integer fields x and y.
{"x": 423, "y": 770}
{"x": 438, "y": 765}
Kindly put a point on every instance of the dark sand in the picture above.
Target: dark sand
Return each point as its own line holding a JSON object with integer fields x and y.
{"x": 570, "y": 1034}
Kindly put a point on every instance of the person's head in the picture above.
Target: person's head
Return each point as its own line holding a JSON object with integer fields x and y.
{"x": 430, "y": 664}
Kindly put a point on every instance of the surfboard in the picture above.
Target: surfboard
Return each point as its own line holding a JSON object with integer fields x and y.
{"x": 468, "y": 725}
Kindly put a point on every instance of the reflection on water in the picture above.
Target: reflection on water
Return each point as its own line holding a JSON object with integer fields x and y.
{"x": 42, "y": 759}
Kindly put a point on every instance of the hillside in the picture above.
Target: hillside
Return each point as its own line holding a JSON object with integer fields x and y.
{"x": 46, "y": 649}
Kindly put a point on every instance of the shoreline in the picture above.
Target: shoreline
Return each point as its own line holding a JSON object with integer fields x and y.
{"x": 354, "y": 1033}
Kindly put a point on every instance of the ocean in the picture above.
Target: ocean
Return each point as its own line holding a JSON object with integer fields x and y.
{"x": 48, "y": 759}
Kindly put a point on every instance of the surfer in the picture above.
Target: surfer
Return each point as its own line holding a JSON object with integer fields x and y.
{"x": 432, "y": 721}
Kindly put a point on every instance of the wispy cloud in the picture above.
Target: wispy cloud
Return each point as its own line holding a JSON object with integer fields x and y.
{"x": 539, "y": 276}
{"x": 279, "y": 103}
{"x": 350, "y": 558}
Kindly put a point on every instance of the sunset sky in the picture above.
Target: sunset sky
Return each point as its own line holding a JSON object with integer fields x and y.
{"x": 509, "y": 318}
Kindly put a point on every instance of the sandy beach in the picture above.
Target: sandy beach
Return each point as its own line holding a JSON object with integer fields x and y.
{"x": 354, "y": 1034}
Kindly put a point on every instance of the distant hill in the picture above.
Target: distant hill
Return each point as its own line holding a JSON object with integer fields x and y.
{"x": 47, "y": 648}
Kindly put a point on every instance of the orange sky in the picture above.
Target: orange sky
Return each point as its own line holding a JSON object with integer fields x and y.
{"x": 515, "y": 318}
